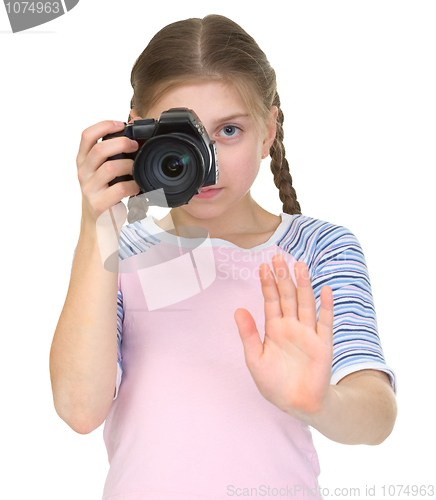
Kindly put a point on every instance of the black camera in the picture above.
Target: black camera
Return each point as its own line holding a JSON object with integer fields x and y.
{"x": 175, "y": 154}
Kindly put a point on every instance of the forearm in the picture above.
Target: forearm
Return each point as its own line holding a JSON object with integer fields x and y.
{"x": 361, "y": 410}
{"x": 84, "y": 348}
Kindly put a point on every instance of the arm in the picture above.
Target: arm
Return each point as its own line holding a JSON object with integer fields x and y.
{"x": 292, "y": 367}
{"x": 360, "y": 409}
{"x": 83, "y": 356}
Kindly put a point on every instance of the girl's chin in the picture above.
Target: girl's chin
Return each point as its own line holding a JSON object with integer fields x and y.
{"x": 199, "y": 209}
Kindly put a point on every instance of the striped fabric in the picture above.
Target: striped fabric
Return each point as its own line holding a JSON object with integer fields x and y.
{"x": 334, "y": 257}
{"x": 133, "y": 240}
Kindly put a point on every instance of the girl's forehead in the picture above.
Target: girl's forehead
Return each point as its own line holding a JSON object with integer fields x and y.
{"x": 209, "y": 100}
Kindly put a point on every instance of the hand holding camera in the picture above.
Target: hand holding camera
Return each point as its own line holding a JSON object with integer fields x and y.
{"x": 175, "y": 154}
{"x": 95, "y": 172}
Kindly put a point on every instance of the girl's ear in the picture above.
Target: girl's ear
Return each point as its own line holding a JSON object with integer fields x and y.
{"x": 270, "y": 132}
{"x": 133, "y": 116}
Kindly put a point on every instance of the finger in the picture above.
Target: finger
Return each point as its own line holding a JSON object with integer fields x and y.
{"x": 92, "y": 134}
{"x": 101, "y": 151}
{"x": 107, "y": 172}
{"x": 270, "y": 293}
{"x": 111, "y": 195}
{"x": 326, "y": 315}
{"x": 97, "y": 158}
{"x": 286, "y": 287}
{"x": 98, "y": 202}
{"x": 250, "y": 337}
{"x": 305, "y": 296}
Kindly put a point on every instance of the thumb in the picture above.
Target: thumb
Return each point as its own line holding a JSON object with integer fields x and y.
{"x": 250, "y": 337}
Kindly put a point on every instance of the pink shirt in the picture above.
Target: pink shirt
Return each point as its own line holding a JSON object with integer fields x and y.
{"x": 188, "y": 421}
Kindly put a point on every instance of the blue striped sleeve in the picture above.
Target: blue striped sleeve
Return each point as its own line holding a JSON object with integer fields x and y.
{"x": 335, "y": 258}
{"x": 133, "y": 240}
{"x": 120, "y": 316}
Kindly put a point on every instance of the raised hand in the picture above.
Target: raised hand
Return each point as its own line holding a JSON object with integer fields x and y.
{"x": 292, "y": 367}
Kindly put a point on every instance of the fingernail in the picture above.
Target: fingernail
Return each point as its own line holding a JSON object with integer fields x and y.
{"x": 134, "y": 143}
{"x": 119, "y": 124}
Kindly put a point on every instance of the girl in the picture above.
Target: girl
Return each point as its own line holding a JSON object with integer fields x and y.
{"x": 221, "y": 368}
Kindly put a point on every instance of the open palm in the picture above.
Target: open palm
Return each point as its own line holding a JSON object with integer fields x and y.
{"x": 292, "y": 367}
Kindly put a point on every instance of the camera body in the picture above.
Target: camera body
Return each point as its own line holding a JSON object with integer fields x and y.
{"x": 175, "y": 154}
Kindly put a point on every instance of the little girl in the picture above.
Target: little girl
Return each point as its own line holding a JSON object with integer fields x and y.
{"x": 221, "y": 367}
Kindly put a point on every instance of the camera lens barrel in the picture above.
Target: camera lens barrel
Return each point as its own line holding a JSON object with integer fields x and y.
{"x": 173, "y": 162}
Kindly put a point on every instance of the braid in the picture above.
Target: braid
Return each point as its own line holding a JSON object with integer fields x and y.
{"x": 280, "y": 167}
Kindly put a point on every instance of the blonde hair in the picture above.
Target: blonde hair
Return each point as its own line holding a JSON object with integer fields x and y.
{"x": 213, "y": 49}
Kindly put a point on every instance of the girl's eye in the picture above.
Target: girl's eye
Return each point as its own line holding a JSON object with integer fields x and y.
{"x": 229, "y": 131}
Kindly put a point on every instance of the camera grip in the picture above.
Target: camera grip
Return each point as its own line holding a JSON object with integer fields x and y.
{"x": 120, "y": 156}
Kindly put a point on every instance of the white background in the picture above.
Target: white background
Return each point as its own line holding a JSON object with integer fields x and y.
{"x": 357, "y": 82}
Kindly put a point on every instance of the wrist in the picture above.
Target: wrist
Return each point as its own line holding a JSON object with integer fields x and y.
{"x": 319, "y": 418}
{"x": 87, "y": 222}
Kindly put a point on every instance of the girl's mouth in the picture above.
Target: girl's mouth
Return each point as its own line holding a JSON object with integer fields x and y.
{"x": 208, "y": 193}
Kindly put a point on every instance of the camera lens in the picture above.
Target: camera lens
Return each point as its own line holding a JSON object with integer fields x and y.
{"x": 173, "y": 164}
